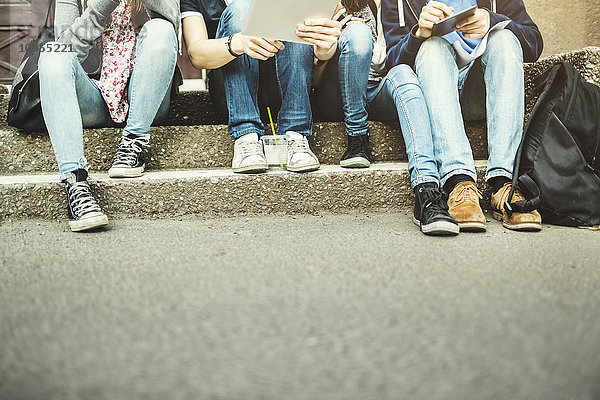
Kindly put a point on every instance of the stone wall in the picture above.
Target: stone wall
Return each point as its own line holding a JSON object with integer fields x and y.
{"x": 566, "y": 24}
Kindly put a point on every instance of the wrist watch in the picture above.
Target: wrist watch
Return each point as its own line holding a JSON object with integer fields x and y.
{"x": 228, "y": 44}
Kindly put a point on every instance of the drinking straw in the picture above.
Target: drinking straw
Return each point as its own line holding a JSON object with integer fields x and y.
{"x": 273, "y": 129}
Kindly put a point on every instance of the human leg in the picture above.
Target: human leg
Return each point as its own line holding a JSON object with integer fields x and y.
{"x": 148, "y": 93}
{"x": 352, "y": 65}
{"x": 293, "y": 69}
{"x": 402, "y": 87}
{"x": 438, "y": 74}
{"x": 240, "y": 79}
{"x": 400, "y": 91}
{"x": 440, "y": 80}
{"x": 503, "y": 63}
{"x": 70, "y": 99}
{"x": 346, "y": 79}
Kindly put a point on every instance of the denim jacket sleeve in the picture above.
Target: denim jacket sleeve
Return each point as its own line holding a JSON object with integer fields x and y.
{"x": 402, "y": 44}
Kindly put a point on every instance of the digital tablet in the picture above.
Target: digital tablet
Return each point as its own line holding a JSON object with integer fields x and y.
{"x": 278, "y": 19}
{"x": 446, "y": 25}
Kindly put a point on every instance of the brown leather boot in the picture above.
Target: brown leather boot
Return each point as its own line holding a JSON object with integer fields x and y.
{"x": 463, "y": 204}
{"x": 531, "y": 221}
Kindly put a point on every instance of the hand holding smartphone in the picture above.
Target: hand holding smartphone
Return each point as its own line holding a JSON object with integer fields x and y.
{"x": 446, "y": 25}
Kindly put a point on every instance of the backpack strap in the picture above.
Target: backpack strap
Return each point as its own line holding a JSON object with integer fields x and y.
{"x": 530, "y": 189}
{"x": 539, "y": 82}
{"x": 50, "y": 4}
{"x": 542, "y": 83}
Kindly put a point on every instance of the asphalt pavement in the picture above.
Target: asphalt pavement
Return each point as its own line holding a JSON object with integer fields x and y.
{"x": 307, "y": 307}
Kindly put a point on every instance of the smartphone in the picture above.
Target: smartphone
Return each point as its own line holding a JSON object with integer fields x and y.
{"x": 446, "y": 25}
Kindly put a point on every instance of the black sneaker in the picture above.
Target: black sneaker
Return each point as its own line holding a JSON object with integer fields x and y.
{"x": 358, "y": 154}
{"x": 431, "y": 211}
{"x": 84, "y": 212}
{"x": 128, "y": 161}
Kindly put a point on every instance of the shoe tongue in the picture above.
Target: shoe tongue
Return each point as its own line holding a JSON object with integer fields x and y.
{"x": 81, "y": 175}
{"x": 426, "y": 185}
{"x": 249, "y": 137}
{"x": 294, "y": 135}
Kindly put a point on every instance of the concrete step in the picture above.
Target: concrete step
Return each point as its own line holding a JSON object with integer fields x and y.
{"x": 219, "y": 192}
{"x": 198, "y": 147}
{"x": 195, "y": 139}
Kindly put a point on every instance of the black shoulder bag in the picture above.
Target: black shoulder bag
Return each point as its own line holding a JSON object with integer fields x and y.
{"x": 558, "y": 163}
{"x": 24, "y": 106}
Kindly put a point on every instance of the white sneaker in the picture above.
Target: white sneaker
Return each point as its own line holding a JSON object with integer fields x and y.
{"x": 300, "y": 158}
{"x": 249, "y": 155}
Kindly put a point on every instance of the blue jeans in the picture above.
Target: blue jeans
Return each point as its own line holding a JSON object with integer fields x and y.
{"x": 241, "y": 79}
{"x": 399, "y": 95}
{"x": 452, "y": 94}
{"x": 342, "y": 94}
{"x": 71, "y": 100}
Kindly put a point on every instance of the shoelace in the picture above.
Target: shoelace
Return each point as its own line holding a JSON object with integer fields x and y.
{"x": 432, "y": 200}
{"x": 81, "y": 199}
{"x": 298, "y": 146}
{"x": 517, "y": 196}
{"x": 129, "y": 149}
{"x": 468, "y": 193}
{"x": 248, "y": 148}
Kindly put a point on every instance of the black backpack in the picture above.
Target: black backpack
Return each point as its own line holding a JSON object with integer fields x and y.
{"x": 24, "y": 107}
{"x": 557, "y": 166}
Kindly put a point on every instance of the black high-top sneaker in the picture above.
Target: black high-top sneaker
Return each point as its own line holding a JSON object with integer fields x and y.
{"x": 431, "y": 211}
{"x": 128, "y": 160}
{"x": 358, "y": 154}
{"x": 84, "y": 212}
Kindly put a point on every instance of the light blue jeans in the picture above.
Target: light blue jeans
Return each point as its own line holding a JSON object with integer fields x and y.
{"x": 342, "y": 95}
{"x": 241, "y": 80}
{"x": 453, "y": 94}
{"x": 399, "y": 95}
{"x": 71, "y": 100}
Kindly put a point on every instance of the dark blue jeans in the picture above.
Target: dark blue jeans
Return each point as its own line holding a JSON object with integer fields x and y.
{"x": 343, "y": 92}
{"x": 293, "y": 67}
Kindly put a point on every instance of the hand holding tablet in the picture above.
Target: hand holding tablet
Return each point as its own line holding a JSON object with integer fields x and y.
{"x": 278, "y": 19}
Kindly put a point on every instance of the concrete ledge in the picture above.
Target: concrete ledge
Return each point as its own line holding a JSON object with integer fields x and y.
{"x": 203, "y": 146}
{"x": 188, "y": 144}
{"x": 219, "y": 193}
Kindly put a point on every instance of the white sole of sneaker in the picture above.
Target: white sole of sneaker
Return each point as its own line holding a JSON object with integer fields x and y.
{"x": 88, "y": 223}
{"x": 439, "y": 228}
{"x": 525, "y": 227}
{"x": 472, "y": 227}
{"x": 355, "y": 162}
{"x": 304, "y": 168}
{"x": 120, "y": 172}
{"x": 251, "y": 169}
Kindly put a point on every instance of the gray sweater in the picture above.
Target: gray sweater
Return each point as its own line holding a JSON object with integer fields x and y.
{"x": 83, "y": 31}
